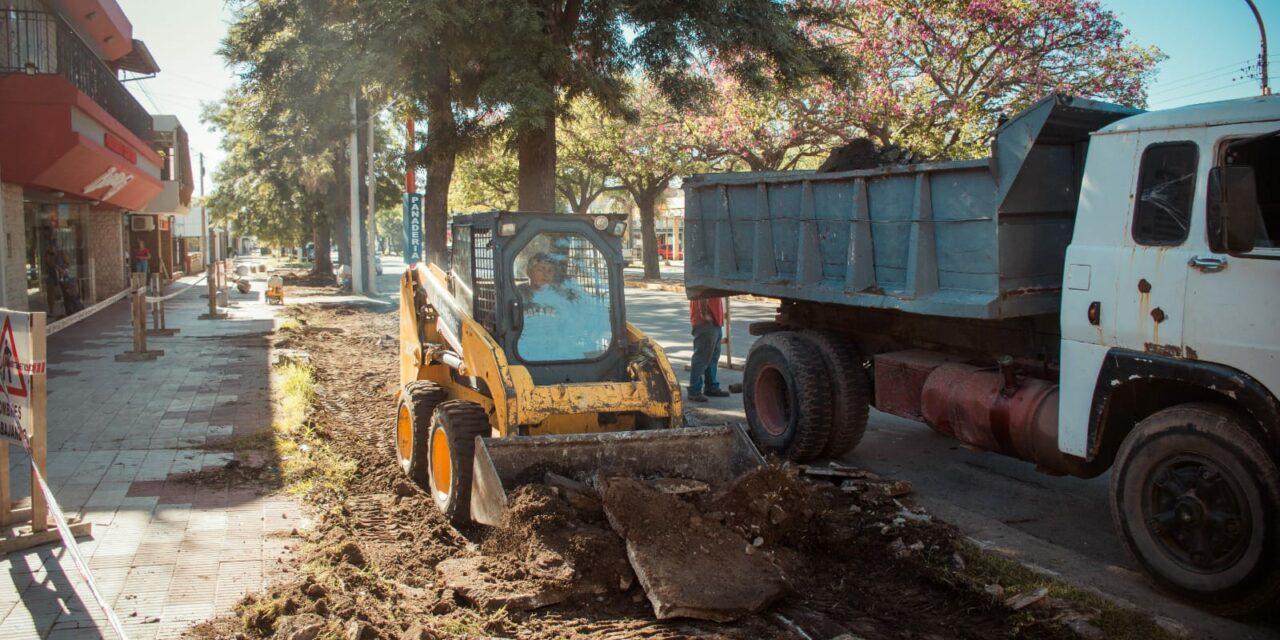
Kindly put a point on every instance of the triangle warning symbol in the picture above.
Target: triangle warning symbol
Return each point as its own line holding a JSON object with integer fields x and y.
{"x": 15, "y": 384}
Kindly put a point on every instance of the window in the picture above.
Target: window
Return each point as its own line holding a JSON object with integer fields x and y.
{"x": 1166, "y": 183}
{"x": 562, "y": 281}
{"x": 1263, "y": 154}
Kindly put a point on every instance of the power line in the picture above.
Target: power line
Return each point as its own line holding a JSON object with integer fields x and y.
{"x": 1164, "y": 92}
{"x": 1214, "y": 71}
{"x": 1233, "y": 83}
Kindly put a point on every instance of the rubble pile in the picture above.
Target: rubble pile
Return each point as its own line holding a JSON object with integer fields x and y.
{"x": 783, "y": 551}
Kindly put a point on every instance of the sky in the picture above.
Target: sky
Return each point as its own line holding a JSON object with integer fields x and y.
{"x": 1209, "y": 44}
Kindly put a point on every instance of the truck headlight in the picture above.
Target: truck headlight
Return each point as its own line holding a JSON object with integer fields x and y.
{"x": 601, "y": 223}
{"x": 619, "y": 227}
{"x": 507, "y": 229}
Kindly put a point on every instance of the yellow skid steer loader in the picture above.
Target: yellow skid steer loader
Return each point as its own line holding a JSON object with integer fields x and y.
{"x": 516, "y": 360}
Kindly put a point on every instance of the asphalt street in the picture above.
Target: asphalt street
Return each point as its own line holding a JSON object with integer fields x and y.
{"x": 1060, "y": 524}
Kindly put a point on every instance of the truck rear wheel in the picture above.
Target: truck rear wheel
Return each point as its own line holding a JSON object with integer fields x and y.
{"x": 1196, "y": 500}
{"x": 418, "y": 401}
{"x": 787, "y": 396}
{"x": 850, "y": 391}
{"x": 454, "y": 428}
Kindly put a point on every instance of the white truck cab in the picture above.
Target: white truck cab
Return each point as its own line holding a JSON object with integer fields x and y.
{"x": 1171, "y": 322}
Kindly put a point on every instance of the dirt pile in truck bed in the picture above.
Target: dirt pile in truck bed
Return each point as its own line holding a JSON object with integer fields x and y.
{"x": 843, "y": 554}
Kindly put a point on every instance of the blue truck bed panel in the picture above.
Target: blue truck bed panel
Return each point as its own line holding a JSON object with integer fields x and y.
{"x": 974, "y": 239}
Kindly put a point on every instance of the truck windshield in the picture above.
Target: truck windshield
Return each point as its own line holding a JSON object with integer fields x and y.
{"x": 563, "y": 284}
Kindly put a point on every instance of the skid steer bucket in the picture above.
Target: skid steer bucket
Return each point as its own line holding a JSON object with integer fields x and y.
{"x": 714, "y": 455}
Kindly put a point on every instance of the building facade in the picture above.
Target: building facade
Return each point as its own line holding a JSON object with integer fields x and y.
{"x": 76, "y": 151}
{"x": 157, "y": 226}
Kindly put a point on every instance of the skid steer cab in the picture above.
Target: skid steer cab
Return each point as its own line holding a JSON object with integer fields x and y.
{"x": 523, "y": 337}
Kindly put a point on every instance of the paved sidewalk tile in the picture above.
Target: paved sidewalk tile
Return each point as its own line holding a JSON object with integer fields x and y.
{"x": 166, "y": 553}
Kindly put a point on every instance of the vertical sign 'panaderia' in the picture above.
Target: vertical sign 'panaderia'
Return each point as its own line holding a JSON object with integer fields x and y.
{"x": 412, "y": 228}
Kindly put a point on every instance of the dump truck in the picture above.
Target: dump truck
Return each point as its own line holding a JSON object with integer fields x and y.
{"x": 1101, "y": 293}
{"x": 516, "y": 360}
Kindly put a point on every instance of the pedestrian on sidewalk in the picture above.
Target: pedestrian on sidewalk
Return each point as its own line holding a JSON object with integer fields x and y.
{"x": 58, "y": 278}
{"x": 141, "y": 258}
{"x": 707, "y": 318}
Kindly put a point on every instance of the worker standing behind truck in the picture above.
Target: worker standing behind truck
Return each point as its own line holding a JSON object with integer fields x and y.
{"x": 707, "y": 318}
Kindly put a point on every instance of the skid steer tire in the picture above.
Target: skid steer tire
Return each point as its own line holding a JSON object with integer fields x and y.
{"x": 418, "y": 402}
{"x": 452, "y": 445}
{"x": 850, "y": 391}
{"x": 787, "y": 396}
{"x": 1195, "y": 498}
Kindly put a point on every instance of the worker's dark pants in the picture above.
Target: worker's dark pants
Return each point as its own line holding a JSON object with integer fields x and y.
{"x": 706, "y": 353}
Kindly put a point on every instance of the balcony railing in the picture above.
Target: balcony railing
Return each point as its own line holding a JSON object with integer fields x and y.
{"x": 35, "y": 42}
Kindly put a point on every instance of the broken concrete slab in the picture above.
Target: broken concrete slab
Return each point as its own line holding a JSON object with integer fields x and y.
{"x": 688, "y": 565}
{"x": 473, "y": 582}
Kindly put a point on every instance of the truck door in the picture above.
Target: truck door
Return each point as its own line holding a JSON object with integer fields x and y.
{"x": 1232, "y": 310}
{"x": 1152, "y": 279}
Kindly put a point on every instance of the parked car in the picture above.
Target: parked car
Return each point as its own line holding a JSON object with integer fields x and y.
{"x": 667, "y": 252}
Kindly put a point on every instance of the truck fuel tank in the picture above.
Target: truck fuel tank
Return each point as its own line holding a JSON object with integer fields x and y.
{"x": 996, "y": 410}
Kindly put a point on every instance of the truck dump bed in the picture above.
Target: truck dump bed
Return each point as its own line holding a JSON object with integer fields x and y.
{"x": 973, "y": 239}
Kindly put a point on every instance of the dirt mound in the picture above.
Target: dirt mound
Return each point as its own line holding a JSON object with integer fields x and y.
{"x": 855, "y": 559}
{"x": 544, "y": 552}
{"x": 771, "y": 503}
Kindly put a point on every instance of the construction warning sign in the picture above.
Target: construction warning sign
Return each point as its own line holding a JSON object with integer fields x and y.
{"x": 17, "y": 366}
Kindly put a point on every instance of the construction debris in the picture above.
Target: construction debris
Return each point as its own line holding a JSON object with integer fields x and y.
{"x": 689, "y": 566}
{"x": 813, "y": 555}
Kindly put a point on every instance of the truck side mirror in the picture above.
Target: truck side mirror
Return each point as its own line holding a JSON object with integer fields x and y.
{"x": 1234, "y": 216}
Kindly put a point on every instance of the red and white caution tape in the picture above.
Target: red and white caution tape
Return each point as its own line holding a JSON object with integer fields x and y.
{"x": 69, "y": 540}
{"x": 155, "y": 299}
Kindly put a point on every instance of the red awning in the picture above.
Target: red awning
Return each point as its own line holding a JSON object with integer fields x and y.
{"x": 40, "y": 148}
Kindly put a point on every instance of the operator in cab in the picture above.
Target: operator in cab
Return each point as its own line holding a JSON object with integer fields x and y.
{"x": 545, "y": 287}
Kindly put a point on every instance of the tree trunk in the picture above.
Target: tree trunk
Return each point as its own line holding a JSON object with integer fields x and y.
{"x": 647, "y": 201}
{"x": 322, "y": 237}
{"x": 536, "y": 151}
{"x": 441, "y": 156}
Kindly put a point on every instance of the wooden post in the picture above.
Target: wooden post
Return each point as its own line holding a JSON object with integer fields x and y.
{"x": 34, "y": 426}
{"x": 93, "y": 281}
{"x": 39, "y": 443}
{"x": 211, "y": 281}
{"x": 728, "y": 338}
{"x": 158, "y": 327}
{"x": 140, "y": 351}
{"x": 6, "y": 500}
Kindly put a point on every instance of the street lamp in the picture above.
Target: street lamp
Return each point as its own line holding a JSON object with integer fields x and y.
{"x": 1262, "y": 60}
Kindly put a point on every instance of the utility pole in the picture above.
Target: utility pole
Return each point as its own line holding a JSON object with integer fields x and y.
{"x": 204, "y": 216}
{"x": 1262, "y": 60}
{"x": 357, "y": 239}
{"x": 370, "y": 222}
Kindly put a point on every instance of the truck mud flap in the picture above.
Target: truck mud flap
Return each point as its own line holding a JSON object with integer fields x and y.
{"x": 714, "y": 455}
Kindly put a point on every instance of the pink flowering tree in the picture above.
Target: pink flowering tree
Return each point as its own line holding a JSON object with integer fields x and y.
{"x": 772, "y": 129}
{"x": 938, "y": 74}
{"x": 935, "y": 76}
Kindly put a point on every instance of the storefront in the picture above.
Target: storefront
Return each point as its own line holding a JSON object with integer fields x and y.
{"x": 52, "y": 229}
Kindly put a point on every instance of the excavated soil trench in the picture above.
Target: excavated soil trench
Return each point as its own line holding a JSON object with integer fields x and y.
{"x": 777, "y": 554}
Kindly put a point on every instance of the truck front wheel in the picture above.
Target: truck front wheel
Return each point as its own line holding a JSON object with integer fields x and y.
{"x": 787, "y": 396}
{"x": 1196, "y": 500}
